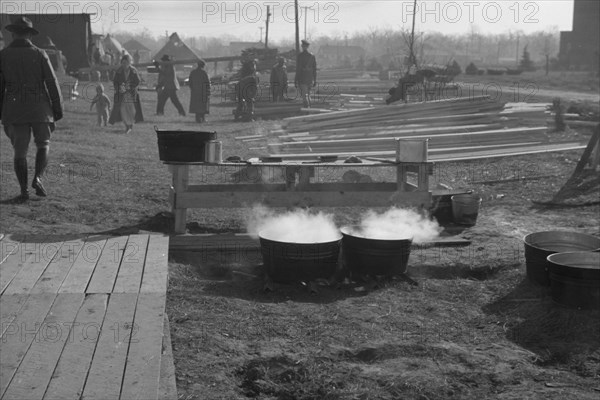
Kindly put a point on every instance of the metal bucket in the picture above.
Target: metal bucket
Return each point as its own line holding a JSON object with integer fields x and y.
{"x": 183, "y": 146}
{"x": 287, "y": 262}
{"x": 366, "y": 256}
{"x": 540, "y": 245}
{"x": 575, "y": 279}
{"x": 465, "y": 208}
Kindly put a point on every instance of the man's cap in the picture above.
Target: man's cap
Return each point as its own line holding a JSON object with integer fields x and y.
{"x": 305, "y": 43}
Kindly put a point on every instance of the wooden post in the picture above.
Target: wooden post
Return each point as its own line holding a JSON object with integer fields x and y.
{"x": 423, "y": 178}
{"x": 297, "y": 28}
{"x": 585, "y": 157}
{"x": 596, "y": 157}
{"x": 180, "y": 185}
{"x": 401, "y": 177}
{"x": 267, "y": 34}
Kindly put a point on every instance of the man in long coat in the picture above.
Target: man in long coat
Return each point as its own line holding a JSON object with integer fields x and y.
{"x": 167, "y": 87}
{"x": 279, "y": 80}
{"x": 200, "y": 92}
{"x": 30, "y": 102}
{"x": 306, "y": 73}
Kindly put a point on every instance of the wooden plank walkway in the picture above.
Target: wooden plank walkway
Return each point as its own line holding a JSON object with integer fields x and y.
{"x": 84, "y": 318}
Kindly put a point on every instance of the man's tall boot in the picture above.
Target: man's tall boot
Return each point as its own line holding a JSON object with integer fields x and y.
{"x": 41, "y": 161}
{"x": 20, "y": 166}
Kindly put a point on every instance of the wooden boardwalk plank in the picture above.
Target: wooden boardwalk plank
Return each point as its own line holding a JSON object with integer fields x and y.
{"x": 10, "y": 306}
{"x": 142, "y": 372}
{"x": 37, "y": 257}
{"x": 20, "y": 334}
{"x": 157, "y": 263}
{"x": 71, "y": 371}
{"x": 129, "y": 279}
{"x": 105, "y": 273}
{"x": 167, "y": 389}
{"x": 55, "y": 274}
{"x": 13, "y": 259}
{"x": 79, "y": 276}
{"x": 8, "y": 245}
{"x": 108, "y": 366}
{"x": 34, "y": 373}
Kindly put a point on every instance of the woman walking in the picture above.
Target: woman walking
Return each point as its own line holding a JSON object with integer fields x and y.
{"x": 200, "y": 92}
{"x": 127, "y": 107}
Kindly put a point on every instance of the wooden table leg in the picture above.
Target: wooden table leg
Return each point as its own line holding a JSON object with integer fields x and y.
{"x": 401, "y": 178}
{"x": 423, "y": 178}
{"x": 180, "y": 185}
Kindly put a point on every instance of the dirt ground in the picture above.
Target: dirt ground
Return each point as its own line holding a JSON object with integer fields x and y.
{"x": 474, "y": 327}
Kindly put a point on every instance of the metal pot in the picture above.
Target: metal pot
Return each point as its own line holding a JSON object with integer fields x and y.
{"x": 575, "y": 279}
{"x": 539, "y": 245}
{"x": 287, "y": 262}
{"x": 367, "y": 256}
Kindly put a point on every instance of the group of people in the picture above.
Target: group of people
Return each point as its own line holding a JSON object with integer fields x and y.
{"x": 168, "y": 85}
{"x": 127, "y": 100}
{"x": 247, "y": 87}
{"x": 31, "y": 101}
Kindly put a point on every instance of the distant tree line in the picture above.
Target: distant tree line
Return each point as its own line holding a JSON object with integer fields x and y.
{"x": 387, "y": 48}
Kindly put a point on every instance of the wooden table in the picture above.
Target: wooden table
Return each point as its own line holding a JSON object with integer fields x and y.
{"x": 298, "y": 190}
{"x": 84, "y": 317}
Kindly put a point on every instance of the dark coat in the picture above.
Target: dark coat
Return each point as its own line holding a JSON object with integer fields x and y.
{"x": 131, "y": 84}
{"x": 247, "y": 88}
{"x": 29, "y": 90}
{"x": 200, "y": 92}
{"x": 279, "y": 76}
{"x": 306, "y": 69}
{"x": 167, "y": 79}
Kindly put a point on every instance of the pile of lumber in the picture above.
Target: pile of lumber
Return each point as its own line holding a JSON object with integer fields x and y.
{"x": 270, "y": 110}
{"x": 462, "y": 128}
{"x": 350, "y": 101}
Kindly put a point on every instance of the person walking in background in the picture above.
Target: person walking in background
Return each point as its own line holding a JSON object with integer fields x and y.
{"x": 97, "y": 56}
{"x": 279, "y": 80}
{"x": 30, "y": 102}
{"x": 167, "y": 87}
{"x": 127, "y": 106}
{"x": 306, "y": 73}
{"x": 246, "y": 91}
{"x": 200, "y": 92}
{"x": 102, "y": 103}
{"x": 136, "y": 57}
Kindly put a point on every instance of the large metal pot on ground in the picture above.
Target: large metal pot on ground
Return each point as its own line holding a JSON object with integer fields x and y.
{"x": 372, "y": 256}
{"x": 539, "y": 245}
{"x": 575, "y": 279}
{"x": 288, "y": 262}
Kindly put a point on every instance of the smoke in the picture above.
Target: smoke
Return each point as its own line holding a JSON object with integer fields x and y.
{"x": 299, "y": 226}
{"x": 397, "y": 223}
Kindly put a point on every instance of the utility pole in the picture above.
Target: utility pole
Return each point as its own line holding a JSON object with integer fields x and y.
{"x": 297, "y": 28}
{"x": 547, "y": 54}
{"x": 412, "y": 58}
{"x": 517, "y": 49}
{"x": 305, "y": 19}
{"x": 267, "y": 34}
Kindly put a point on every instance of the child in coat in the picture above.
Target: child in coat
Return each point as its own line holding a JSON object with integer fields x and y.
{"x": 102, "y": 103}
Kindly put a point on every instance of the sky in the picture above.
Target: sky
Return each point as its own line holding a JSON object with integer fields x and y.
{"x": 244, "y": 19}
